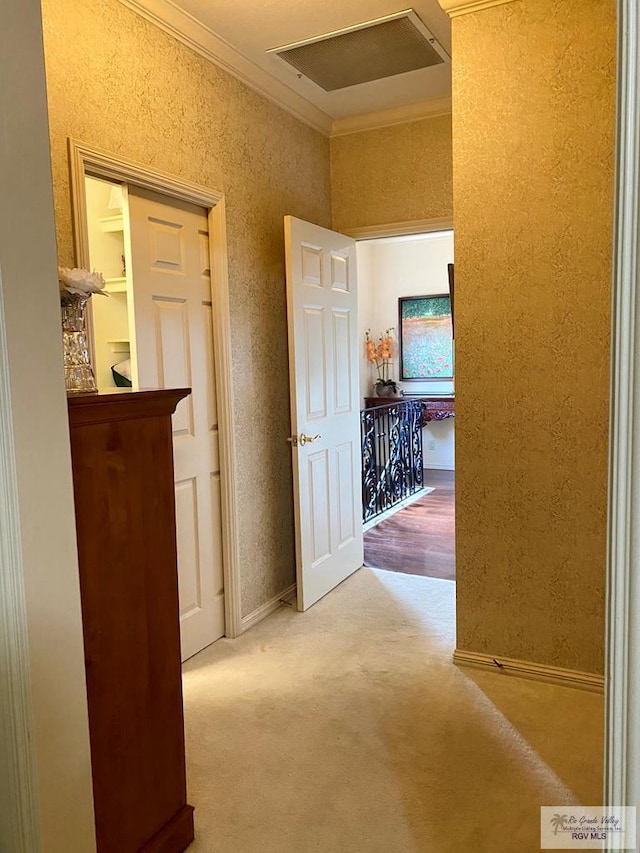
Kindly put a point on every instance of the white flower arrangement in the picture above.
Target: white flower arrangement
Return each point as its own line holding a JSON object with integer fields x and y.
{"x": 81, "y": 282}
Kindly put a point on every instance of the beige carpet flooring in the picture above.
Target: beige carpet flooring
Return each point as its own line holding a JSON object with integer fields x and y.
{"x": 347, "y": 728}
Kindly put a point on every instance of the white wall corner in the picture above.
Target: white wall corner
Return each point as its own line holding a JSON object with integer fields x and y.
{"x": 455, "y": 8}
{"x": 19, "y": 829}
{"x": 45, "y": 761}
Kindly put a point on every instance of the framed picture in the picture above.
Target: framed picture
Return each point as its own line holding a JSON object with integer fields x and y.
{"x": 426, "y": 337}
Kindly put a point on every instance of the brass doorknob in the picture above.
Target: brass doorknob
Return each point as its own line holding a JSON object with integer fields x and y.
{"x": 308, "y": 439}
{"x": 303, "y": 439}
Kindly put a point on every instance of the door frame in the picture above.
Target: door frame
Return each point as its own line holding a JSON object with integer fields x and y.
{"x": 87, "y": 160}
{"x": 409, "y": 228}
{"x": 622, "y": 664}
{"x": 400, "y": 229}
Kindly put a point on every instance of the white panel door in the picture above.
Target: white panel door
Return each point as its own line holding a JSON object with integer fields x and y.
{"x": 173, "y": 347}
{"x": 325, "y": 419}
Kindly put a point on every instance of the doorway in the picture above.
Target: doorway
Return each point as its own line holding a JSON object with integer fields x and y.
{"x": 161, "y": 243}
{"x": 153, "y": 330}
{"x": 398, "y": 276}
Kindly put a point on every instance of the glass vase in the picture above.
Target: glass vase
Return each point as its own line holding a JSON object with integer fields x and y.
{"x": 78, "y": 372}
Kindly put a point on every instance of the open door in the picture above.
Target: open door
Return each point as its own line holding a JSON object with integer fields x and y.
{"x": 325, "y": 418}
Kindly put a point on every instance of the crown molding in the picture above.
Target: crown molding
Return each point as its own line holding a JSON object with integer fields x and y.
{"x": 454, "y": 8}
{"x": 200, "y": 38}
{"x": 167, "y": 16}
{"x": 388, "y": 118}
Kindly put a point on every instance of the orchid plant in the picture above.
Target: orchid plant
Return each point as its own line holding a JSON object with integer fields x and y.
{"x": 380, "y": 354}
{"x": 80, "y": 282}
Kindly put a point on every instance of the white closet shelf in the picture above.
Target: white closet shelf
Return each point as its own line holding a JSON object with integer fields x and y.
{"x": 116, "y": 285}
{"x": 112, "y": 223}
{"x": 123, "y": 345}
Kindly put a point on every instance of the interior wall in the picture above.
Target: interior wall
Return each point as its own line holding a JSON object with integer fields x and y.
{"x": 533, "y": 146}
{"x": 108, "y": 73}
{"x": 405, "y": 266}
{"x": 392, "y": 174}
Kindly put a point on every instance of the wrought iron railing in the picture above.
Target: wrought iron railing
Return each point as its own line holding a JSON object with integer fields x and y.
{"x": 391, "y": 455}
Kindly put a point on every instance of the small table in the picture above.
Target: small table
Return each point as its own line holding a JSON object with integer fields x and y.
{"x": 434, "y": 407}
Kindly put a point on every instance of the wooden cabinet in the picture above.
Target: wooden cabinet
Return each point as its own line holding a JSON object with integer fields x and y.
{"x": 121, "y": 448}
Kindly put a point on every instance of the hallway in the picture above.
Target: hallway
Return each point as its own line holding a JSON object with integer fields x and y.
{"x": 420, "y": 539}
{"x": 347, "y": 729}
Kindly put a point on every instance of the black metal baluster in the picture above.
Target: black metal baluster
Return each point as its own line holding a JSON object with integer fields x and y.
{"x": 391, "y": 455}
{"x": 369, "y": 465}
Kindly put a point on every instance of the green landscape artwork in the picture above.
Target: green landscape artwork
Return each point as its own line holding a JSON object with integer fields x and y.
{"x": 426, "y": 337}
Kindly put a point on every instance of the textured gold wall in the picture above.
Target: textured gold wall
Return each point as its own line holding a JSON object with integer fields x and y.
{"x": 533, "y": 177}
{"x": 118, "y": 82}
{"x": 393, "y": 174}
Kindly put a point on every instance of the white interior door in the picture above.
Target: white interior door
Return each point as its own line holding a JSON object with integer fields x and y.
{"x": 325, "y": 419}
{"x": 169, "y": 260}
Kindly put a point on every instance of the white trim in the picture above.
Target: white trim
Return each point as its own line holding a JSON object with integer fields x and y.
{"x": 227, "y": 437}
{"x": 535, "y": 671}
{"x": 268, "y": 607}
{"x": 622, "y": 773}
{"x": 204, "y": 41}
{"x": 389, "y": 118}
{"x": 190, "y": 31}
{"x": 455, "y": 8}
{"x": 15, "y": 688}
{"x": 85, "y": 159}
{"x": 412, "y": 238}
{"x": 397, "y": 229}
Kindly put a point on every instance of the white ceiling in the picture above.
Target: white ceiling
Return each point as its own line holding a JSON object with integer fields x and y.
{"x": 238, "y": 33}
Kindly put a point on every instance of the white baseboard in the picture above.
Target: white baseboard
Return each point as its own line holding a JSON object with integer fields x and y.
{"x": 438, "y": 467}
{"x": 267, "y": 608}
{"x": 536, "y": 671}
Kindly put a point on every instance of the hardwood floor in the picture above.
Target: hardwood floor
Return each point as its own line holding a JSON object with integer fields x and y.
{"x": 418, "y": 540}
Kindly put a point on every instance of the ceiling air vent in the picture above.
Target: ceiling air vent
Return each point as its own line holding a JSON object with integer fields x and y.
{"x": 370, "y": 51}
